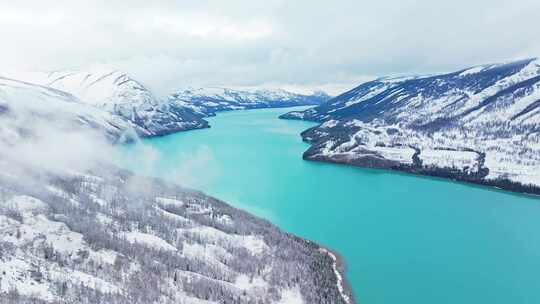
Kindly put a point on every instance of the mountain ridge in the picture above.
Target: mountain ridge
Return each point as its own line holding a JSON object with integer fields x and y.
{"x": 120, "y": 94}
{"x": 479, "y": 124}
{"x": 209, "y": 100}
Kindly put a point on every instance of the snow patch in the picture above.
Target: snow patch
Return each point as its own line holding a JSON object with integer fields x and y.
{"x": 148, "y": 240}
{"x": 291, "y": 296}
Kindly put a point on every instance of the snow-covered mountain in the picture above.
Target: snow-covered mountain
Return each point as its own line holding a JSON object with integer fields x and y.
{"x": 481, "y": 125}
{"x": 208, "y": 101}
{"x": 118, "y": 93}
{"x": 23, "y": 106}
{"x": 75, "y": 229}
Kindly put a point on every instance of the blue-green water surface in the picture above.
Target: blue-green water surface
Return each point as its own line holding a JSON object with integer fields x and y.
{"x": 405, "y": 239}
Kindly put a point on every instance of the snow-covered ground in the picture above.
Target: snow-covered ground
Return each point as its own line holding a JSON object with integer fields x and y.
{"x": 450, "y": 159}
{"x": 53, "y": 250}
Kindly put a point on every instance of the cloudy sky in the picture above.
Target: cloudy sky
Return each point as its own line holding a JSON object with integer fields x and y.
{"x": 331, "y": 45}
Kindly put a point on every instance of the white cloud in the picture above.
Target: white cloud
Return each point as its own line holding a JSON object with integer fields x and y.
{"x": 171, "y": 44}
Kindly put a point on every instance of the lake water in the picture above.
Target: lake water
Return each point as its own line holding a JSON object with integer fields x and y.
{"x": 405, "y": 239}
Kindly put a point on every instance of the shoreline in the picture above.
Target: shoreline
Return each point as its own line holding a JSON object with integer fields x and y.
{"x": 503, "y": 185}
{"x": 338, "y": 265}
{"x": 206, "y": 123}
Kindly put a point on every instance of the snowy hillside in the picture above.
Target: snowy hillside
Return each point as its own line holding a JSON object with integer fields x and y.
{"x": 106, "y": 236}
{"x": 208, "y": 101}
{"x": 118, "y": 93}
{"x": 23, "y": 106}
{"x": 74, "y": 229}
{"x": 480, "y": 125}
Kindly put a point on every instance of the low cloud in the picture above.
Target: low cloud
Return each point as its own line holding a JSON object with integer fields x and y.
{"x": 47, "y": 131}
{"x": 44, "y": 143}
{"x": 195, "y": 168}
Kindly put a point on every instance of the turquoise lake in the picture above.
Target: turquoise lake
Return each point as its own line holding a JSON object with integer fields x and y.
{"x": 405, "y": 238}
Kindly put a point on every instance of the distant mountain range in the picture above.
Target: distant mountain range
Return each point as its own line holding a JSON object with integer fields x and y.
{"x": 480, "y": 124}
{"x": 119, "y": 94}
{"x": 208, "y": 101}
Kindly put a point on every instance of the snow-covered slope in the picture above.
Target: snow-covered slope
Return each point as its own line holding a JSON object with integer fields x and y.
{"x": 210, "y": 100}
{"x": 24, "y": 107}
{"x": 107, "y": 236}
{"x": 75, "y": 229}
{"x": 480, "y": 124}
{"x": 118, "y": 93}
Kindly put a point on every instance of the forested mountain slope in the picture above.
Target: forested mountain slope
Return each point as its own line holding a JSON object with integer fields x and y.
{"x": 481, "y": 125}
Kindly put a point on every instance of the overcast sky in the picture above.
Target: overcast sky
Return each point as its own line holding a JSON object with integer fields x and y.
{"x": 330, "y": 45}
